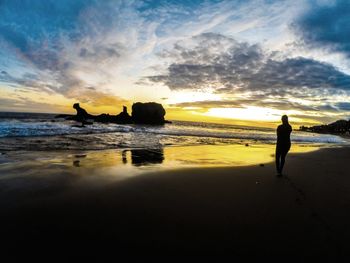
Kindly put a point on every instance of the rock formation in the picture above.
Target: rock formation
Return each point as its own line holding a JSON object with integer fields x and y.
{"x": 338, "y": 127}
{"x": 148, "y": 113}
{"x": 142, "y": 113}
{"x": 123, "y": 117}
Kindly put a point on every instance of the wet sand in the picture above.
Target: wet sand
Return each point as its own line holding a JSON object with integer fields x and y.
{"x": 239, "y": 212}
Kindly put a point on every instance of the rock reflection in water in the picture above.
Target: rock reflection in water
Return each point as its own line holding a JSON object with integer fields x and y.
{"x": 141, "y": 157}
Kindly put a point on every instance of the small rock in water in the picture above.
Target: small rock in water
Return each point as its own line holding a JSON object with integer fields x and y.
{"x": 246, "y": 144}
{"x": 261, "y": 165}
{"x": 80, "y": 155}
{"x": 76, "y": 163}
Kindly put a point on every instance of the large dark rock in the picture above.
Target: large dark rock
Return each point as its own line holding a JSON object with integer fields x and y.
{"x": 84, "y": 117}
{"x": 142, "y": 113}
{"x": 124, "y": 117}
{"x": 121, "y": 118}
{"x": 338, "y": 127}
{"x": 82, "y": 114}
{"x": 148, "y": 113}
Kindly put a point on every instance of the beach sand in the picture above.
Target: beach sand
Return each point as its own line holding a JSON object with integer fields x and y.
{"x": 237, "y": 212}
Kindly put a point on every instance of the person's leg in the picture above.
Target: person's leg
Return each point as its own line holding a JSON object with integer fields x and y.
{"x": 278, "y": 157}
{"x": 283, "y": 159}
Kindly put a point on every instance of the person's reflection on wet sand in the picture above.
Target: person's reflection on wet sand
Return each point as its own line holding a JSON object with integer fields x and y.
{"x": 124, "y": 158}
{"x": 141, "y": 157}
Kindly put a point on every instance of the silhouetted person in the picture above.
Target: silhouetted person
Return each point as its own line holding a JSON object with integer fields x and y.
{"x": 82, "y": 114}
{"x": 283, "y": 143}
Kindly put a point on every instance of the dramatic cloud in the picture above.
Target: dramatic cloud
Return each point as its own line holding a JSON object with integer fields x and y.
{"x": 226, "y": 65}
{"x": 26, "y": 105}
{"x": 205, "y": 54}
{"x": 345, "y": 106}
{"x": 326, "y": 25}
{"x": 63, "y": 47}
{"x": 280, "y": 105}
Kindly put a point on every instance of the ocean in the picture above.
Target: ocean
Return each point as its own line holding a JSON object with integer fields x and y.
{"x": 43, "y": 132}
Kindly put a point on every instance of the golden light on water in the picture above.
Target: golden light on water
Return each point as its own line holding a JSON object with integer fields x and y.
{"x": 225, "y": 155}
{"x": 116, "y": 164}
{"x": 184, "y": 105}
{"x": 250, "y": 113}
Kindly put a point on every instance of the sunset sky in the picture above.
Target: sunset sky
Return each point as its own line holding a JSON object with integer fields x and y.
{"x": 224, "y": 61}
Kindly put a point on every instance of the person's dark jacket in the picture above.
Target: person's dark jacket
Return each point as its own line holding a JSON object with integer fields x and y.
{"x": 283, "y": 136}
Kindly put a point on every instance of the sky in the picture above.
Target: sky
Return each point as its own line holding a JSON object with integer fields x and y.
{"x": 243, "y": 62}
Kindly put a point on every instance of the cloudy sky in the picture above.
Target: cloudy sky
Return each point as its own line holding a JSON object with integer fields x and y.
{"x": 236, "y": 61}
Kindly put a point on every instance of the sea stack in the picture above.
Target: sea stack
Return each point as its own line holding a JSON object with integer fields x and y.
{"x": 123, "y": 117}
{"x": 142, "y": 113}
{"x": 148, "y": 113}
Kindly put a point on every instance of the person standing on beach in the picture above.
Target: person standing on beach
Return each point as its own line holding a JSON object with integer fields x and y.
{"x": 283, "y": 143}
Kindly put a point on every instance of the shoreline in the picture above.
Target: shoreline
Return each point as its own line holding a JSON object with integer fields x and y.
{"x": 233, "y": 211}
{"x": 129, "y": 162}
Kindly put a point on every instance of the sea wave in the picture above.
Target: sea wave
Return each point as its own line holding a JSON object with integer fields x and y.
{"x": 17, "y": 128}
{"x": 35, "y": 128}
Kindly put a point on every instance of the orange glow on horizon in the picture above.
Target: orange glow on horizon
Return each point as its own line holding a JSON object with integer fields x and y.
{"x": 98, "y": 103}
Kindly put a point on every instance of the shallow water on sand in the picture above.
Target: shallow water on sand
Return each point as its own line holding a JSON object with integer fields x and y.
{"x": 43, "y": 132}
{"x": 119, "y": 164}
{"x": 38, "y": 148}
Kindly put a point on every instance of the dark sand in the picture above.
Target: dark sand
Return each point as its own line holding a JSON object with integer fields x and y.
{"x": 240, "y": 212}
